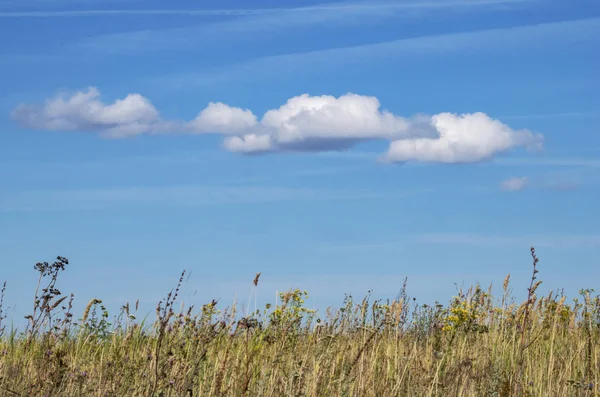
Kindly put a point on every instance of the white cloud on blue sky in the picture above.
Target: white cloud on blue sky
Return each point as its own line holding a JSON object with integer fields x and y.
{"x": 515, "y": 184}
{"x": 303, "y": 123}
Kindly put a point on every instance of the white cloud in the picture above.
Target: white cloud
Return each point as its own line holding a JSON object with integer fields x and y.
{"x": 219, "y": 117}
{"x": 83, "y": 111}
{"x": 462, "y": 139}
{"x": 320, "y": 122}
{"x": 303, "y": 123}
{"x": 325, "y": 116}
{"x": 250, "y": 143}
{"x": 515, "y": 184}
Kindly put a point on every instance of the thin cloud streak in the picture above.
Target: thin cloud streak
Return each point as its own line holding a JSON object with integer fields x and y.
{"x": 263, "y": 24}
{"x": 59, "y": 3}
{"x": 494, "y": 40}
{"x": 344, "y": 6}
{"x": 499, "y": 161}
{"x": 551, "y": 115}
{"x": 472, "y": 239}
{"x": 547, "y": 162}
{"x": 91, "y": 13}
{"x": 543, "y": 240}
{"x": 179, "y": 196}
{"x": 515, "y": 184}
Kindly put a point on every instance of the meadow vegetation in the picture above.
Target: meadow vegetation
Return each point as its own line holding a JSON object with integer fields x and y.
{"x": 475, "y": 345}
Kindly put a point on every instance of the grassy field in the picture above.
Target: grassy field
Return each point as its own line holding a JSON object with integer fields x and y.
{"x": 476, "y": 345}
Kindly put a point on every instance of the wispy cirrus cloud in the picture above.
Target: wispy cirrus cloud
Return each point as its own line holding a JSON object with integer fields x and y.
{"x": 585, "y": 162}
{"x": 546, "y": 240}
{"x": 303, "y": 124}
{"x": 483, "y": 40}
{"x": 254, "y": 23}
{"x": 521, "y": 183}
{"x": 557, "y": 115}
{"x": 139, "y": 197}
{"x": 558, "y": 180}
{"x": 355, "y": 7}
{"x": 61, "y": 3}
{"x": 121, "y": 12}
{"x": 538, "y": 240}
{"x": 515, "y": 184}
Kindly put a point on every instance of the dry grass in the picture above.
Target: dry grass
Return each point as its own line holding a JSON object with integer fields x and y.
{"x": 474, "y": 346}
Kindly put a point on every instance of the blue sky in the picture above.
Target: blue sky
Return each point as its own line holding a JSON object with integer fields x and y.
{"x": 436, "y": 140}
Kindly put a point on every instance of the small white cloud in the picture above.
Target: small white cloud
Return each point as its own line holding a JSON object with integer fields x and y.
{"x": 218, "y": 117}
{"x": 462, "y": 139}
{"x": 515, "y": 184}
{"x": 83, "y": 111}
{"x": 304, "y": 123}
{"x": 250, "y": 143}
